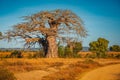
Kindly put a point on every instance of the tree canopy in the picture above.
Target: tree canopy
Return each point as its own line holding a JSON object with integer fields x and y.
{"x": 55, "y": 23}
{"x": 100, "y": 46}
{"x": 115, "y": 48}
{"x": 47, "y": 27}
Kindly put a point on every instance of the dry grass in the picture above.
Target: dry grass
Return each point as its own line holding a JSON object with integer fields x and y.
{"x": 24, "y": 64}
{"x": 26, "y": 54}
{"x": 58, "y": 68}
{"x": 91, "y": 54}
{"x": 72, "y": 70}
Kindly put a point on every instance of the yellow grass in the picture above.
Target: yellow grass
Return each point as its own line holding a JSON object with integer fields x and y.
{"x": 24, "y": 53}
{"x": 14, "y": 64}
{"x": 69, "y": 67}
{"x": 84, "y": 54}
{"x": 56, "y": 67}
{"x": 27, "y": 53}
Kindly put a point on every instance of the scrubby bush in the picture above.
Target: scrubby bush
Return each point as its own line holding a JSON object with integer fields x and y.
{"x": 70, "y": 52}
{"x": 16, "y": 54}
{"x": 61, "y": 51}
{"x": 6, "y": 75}
{"x": 64, "y": 52}
{"x": 115, "y": 48}
{"x": 77, "y": 47}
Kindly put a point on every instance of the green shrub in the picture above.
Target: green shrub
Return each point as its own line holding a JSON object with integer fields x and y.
{"x": 6, "y": 75}
{"x": 77, "y": 47}
{"x": 99, "y": 47}
{"x": 66, "y": 52}
{"x": 103, "y": 55}
{"x": 115, "y": 48}
{"x": 61, "y": 51}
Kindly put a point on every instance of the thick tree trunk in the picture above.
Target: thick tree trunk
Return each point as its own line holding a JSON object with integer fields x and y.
{"x": 52, "y": 47}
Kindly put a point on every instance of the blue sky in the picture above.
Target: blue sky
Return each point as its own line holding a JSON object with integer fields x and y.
{"x": 101, "y": 17}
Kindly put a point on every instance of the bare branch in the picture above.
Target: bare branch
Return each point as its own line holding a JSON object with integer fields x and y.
{"x": 59, "y": 23}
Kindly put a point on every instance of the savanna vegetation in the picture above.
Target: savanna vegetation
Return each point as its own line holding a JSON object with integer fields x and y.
{"x": 72, "y": 62}
{"x": 99, "y": 47}
{"x": 6, "y": 74}
{"x": 115, "y": 48}
{"x": 58, "y": 34}
{"x": 52, "y": 68}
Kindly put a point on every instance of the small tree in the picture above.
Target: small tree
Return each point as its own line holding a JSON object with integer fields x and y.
{"x": 77, "y": 47}
{"x": 99, "y": 47}
{"x": 72, "y": 49}
{"x": 115, "y": 48}
{"x": 61, "y": 51}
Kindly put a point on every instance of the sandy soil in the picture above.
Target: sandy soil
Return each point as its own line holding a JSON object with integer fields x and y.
{"x": 111, "y": 72}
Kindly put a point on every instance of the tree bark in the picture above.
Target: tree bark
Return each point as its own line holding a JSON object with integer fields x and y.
{"x": 52, "y": 47}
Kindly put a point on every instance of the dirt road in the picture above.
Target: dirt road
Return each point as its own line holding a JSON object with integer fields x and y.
{"x": 111, "y": 72}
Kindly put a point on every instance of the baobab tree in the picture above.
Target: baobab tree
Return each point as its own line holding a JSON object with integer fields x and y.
{"x": 47, "y": 28}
